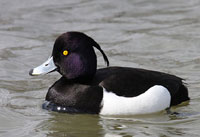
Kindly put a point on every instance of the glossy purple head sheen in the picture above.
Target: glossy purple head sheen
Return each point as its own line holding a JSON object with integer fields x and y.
{"x": 75, "y": 66}
{"x": 81, "y": 60}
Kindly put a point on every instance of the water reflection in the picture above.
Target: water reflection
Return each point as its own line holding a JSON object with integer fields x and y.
{"x": 158, "y": 124}
{"x": 64, "y": 125}
{"x": 69, "y": 125}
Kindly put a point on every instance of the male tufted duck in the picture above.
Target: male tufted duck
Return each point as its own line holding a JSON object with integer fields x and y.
{"x": 109, "y": 91}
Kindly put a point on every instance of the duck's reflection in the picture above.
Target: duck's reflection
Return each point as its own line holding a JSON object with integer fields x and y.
{"x": 85, "y": 125}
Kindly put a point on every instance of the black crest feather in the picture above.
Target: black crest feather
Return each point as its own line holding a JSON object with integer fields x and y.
{"x": 96, "y": 45}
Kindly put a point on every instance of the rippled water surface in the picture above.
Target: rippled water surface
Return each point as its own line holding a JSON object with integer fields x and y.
{"x": 162, "y": 35}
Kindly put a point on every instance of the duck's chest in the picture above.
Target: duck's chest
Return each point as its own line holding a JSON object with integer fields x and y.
{"x": 75, "y": 96}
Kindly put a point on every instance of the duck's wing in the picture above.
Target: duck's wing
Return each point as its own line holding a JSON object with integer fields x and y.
{"x": 131, "y": 82}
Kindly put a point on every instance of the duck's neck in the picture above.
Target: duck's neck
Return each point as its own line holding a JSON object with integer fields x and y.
{"x": 81, "y": 80}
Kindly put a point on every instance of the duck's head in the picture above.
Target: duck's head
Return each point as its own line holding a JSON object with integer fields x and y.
{"x": 73, "y": 57}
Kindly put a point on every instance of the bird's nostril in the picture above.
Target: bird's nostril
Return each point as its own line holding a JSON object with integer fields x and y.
{"x": 46, "y": 64}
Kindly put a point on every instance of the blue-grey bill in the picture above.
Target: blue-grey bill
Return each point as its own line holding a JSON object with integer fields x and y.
{"x": 47, "y": 67}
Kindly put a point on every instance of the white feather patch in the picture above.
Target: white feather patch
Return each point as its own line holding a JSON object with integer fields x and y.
{"x": 155, "y": 99}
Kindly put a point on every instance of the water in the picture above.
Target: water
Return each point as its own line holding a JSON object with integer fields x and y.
{"x": 161, "y": 35}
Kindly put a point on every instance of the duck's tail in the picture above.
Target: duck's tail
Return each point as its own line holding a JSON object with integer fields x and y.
{"x": 181, "y": 95}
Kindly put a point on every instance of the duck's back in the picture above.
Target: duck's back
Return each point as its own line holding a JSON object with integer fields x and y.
{"x": 131, "y": 82}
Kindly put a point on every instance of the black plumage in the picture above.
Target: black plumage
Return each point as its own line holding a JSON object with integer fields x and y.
{"x": 80, "y": 89}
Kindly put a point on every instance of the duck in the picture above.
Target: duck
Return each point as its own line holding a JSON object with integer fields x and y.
{"x": 112, "y": 90}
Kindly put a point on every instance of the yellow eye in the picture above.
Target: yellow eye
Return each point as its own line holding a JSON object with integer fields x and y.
{"x": 65, "y": 52}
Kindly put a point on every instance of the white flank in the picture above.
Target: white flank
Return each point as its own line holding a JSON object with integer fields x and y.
{"x": 155, "y": 99}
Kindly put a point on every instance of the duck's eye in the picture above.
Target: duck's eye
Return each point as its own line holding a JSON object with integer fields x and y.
{"x": 65, "y": 52}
